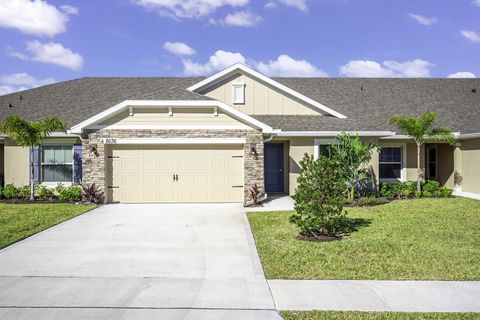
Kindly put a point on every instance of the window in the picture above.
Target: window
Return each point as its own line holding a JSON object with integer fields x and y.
{"x": 238, "y": 93}
{"x": 57, "y": 163}
{"x": 322, "y": 146}
{"x": 391, "y": 163}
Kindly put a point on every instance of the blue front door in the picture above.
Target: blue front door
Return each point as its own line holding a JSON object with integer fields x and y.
{"x": 274, "y": 167}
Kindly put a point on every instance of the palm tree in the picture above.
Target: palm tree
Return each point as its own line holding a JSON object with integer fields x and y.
{"x": 421, "y": 130}
{"x": 352, "y": 154}
{"x": 31, "y": 134}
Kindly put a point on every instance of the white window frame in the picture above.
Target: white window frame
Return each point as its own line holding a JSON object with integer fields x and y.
{"x": 41, "y": 164}
{"x": 403, "y": 171}
{"x": 234, "y": 98}
{"x": 319, "y": 142}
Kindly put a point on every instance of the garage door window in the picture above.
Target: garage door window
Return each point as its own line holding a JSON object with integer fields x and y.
{"x": 57, "y": 163}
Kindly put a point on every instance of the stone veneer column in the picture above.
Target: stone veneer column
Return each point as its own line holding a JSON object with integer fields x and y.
{"x": 95, "y": 165}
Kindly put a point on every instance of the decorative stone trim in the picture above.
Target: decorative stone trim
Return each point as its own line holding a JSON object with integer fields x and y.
{"x": 95, "y": 164}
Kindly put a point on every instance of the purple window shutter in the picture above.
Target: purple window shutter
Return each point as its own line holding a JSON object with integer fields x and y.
{"x": 36, "y": 165}
{"x": 77, "y": 163}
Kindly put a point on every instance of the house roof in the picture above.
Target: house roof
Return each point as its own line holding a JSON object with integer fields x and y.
{"x": 371, "y": 102}
{"x": 77, "y": 100}
{"x": 367, "y": 103}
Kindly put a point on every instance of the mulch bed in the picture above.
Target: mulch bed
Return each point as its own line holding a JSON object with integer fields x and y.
{"x": 319, "y": 239}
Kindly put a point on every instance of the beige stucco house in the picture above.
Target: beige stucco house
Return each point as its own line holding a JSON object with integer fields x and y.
{"x": 211, "y": 139}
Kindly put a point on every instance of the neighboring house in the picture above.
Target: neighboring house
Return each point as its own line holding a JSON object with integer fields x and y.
{"x": 210, "y": 139}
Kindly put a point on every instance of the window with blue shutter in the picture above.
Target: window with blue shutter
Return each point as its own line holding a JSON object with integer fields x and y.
{"x": 77, "y": 163}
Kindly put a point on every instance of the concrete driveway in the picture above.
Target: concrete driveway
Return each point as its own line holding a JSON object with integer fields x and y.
{"x": 188, "y": 261}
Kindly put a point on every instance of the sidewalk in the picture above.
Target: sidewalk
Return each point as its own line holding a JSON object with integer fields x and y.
{"x": 360, "y": 295}
{"x": 274, "y": 203}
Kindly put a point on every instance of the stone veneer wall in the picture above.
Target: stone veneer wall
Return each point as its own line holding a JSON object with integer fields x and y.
{"x": 95, "y": 166}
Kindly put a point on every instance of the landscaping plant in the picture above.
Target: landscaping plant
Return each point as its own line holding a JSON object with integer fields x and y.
{"x": 72, "y": 193}
{"x": 10, "y": 192}
{"x": 353, "y": 154}
{"x": 43, "y": 192}
{"x": 256, "y": 195}
{"x": 319, "y": 197}
{"x": 422, "y": 131}
{"x": 31, "y": 134}
{"x": 92, "y": 194}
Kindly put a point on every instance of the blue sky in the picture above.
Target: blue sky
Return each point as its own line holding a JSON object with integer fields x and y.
{"x": 55, "y": 40}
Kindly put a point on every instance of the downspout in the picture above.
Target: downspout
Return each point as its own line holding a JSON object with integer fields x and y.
{"x": 269, "y": 138}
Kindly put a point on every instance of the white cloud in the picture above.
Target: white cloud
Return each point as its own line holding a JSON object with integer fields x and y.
{"x": 426, "y": 21}
{"x": 476, "y": 3}
{"x": 271, "y": 5}
{"x": 51, "y": 52}
{"x": 33, "y": 17}
{"x": 299, "y": 4}
{"x": 390, "y": 69}
{"x": 286, "y": 66}
{"x": 462, "y": 74}
{"x": 471, "y": 35}
{"x": 219, "y": 61}
{"x": 20, "y": 81}
{"x": 242, "y": 19}
{"x": 70, "y": 9}
{"x": 179, "y": 48}
{"x": 188, "y": 8}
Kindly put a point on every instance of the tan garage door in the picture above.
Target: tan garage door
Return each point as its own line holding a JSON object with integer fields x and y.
{"x": 176, "y": 173}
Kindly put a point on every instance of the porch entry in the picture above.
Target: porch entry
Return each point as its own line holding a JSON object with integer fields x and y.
{"x": 274, "y": 168}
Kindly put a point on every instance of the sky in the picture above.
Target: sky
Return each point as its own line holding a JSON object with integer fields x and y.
{"x": 47, "y": 41}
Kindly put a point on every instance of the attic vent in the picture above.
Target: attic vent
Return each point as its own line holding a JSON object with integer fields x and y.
{"x": 10, "y": 105}
{"x": 474, "y": 90}
{"x": 361, "y": 88}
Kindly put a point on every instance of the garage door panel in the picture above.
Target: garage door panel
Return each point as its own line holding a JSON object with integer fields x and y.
{"x": 206, "y": 173}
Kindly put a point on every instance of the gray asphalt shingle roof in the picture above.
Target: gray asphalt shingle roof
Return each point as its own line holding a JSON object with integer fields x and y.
{"x": 77, "y": 100}
{"x": 368, "y": 103}
{"x": 371, "y": 102}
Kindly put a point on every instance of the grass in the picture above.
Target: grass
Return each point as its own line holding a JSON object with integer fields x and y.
{"x": 423, "y": 239}
{"x": 331, "y": 315}
{"x": 19, "y": 221}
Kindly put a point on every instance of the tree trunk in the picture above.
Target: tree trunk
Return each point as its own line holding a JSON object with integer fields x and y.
{"x": 419, "y": 187}
{"x": 32, "y": 174}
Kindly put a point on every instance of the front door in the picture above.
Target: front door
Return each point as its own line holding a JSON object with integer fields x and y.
{"x": 431, "y": 161}
{"x": 274, "y": 167}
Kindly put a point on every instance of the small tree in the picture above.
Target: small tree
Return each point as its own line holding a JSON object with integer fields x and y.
{"x": 319, "y": 197}
{"x": 352, "y": 155}
{"x": 421, "y": 130}
{"x": 31, "y": 134}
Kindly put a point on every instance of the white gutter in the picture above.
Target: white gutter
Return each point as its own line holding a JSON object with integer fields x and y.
{"x": 468, "y": 136}
{"x": 332, "y": 133}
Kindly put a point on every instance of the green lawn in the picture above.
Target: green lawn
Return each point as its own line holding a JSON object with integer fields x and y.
{"x": 18, "y": 221}
{"x": 322, "y": 315}
{"x": 424, "y": 239}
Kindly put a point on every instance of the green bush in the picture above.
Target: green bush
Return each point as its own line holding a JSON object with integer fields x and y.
{"x": 426, "y": 194}
{"x": 10, "y": 192}
{"x": 370, "y": 201}
{"x": 71, "y": 194}
{"x": 407, "y": 193}
{"x": 445, "y": 192}
{"x": 319, "y": 197}
{"x": 388, "y": 190}
{"x": 418, "y": 194}
{"x": 430, "y": 186}
{"x": 24, "y": 192}
{"x": 42, "y": 192}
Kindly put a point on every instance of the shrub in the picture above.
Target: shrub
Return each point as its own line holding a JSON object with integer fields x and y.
{"x": 370, "y": 201}
{"x": 445, "y": 192}
{"x": 10, "y": 192}
{"x": 24, "y": 192}
{"x": 92, "y": 194}
{"x": 426, "y": 194}
{"x": 319, "y": 197}
{"x": 256, "y": 195}
{"x": 407, "y": 193}
{"x": 437, "y": 194}
{"x": 43, "y": 192}
{"x": 71, "y": 194}
{"x": 430, "y": 186}
{"x": 418, "y": 194}
{"x": 388, "y": 190}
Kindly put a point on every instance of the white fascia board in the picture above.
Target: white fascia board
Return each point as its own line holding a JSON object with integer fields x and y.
{"x": 222, "y": 74}
{"x": 333, "y": 133}
{"x": 174, "y": 140}
{"x": 170, "y": 103}
{"x": 468, "y": 136}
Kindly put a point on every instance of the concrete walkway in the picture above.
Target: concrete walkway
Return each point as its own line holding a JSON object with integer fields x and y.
{"x": 274, "y": 203}
{"x": 138, "y": 262}
{"x": 358, "y": 295}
